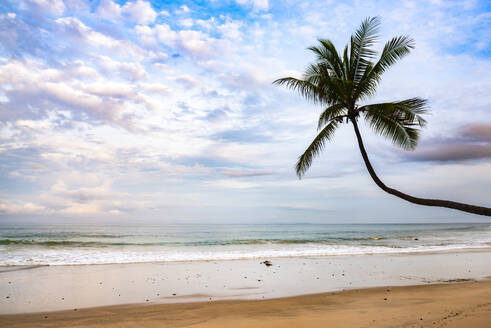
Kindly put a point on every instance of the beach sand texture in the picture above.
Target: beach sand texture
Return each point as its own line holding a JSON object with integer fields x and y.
{"x": 447, "y": 305}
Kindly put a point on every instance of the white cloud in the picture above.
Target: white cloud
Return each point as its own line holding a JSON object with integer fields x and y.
{"x": 161, "y": 67}
{"x": 132, "y": 70}
{"x": 187, "y": 80}
{"x": 188, "y": 22}
{"x": 78, "y": 31}
{"x": 231, "y": 30}
{"x": 193, "y": 42}
{"x": 182, "y": 10}
{"x": 139, "y": 11}
{"x": 108, "y": 10}
{"x": 257, "y": 5}
{"x": 155, "y": 87}
{"x": 110, "y": 89}
{"x": 53, "y": 7}
{"x": 25, "y": 208}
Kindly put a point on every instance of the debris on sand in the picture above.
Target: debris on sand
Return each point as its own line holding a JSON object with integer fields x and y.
{"x": 267, "y": 263}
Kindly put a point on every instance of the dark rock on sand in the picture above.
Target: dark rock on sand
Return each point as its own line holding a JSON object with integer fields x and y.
{"x": 267, "y": 263}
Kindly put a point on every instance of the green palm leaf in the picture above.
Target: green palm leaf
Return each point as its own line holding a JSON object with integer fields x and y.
{"x": 332, "y": 112}
{"x": 307, "y": 89}
{"x": 361, "y": 41}
{"x": 327, "y": 54}
{"x": 398, "y": 121}
{"x": 394, "y": 50}
{"x": 305, "y": 160}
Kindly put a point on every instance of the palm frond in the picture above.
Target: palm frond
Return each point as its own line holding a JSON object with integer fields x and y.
{"x": 331, "y": 112}
{"x": 394, "y": 50}
{"x": 330, "y": 88}
{"x": 327, "y": 54}
{"x": 367, "y": 86}
{"x": 346, "y": 62}
{"x": 398, "y": 121}
{"x": 307, "y": 89}
{"x": 361, "y": 41}
{"x": 305, "y": 160}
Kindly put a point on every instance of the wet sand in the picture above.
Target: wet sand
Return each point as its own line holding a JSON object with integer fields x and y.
{"x": 455, "y": 305}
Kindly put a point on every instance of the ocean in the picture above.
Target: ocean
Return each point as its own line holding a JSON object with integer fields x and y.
{"x": 101, "y": 244}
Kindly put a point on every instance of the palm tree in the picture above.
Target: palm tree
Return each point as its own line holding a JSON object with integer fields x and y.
{"x": 341, "y": 81}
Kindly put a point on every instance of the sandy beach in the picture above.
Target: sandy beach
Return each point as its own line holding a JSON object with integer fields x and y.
{"x": 445, "y": 305}
{"x": 441, "y": 289}
{"x": 25, "y": 289}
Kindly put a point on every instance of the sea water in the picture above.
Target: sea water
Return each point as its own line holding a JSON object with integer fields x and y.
{"x": 101, "y": 244}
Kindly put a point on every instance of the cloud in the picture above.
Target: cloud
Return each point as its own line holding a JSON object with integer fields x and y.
{"x": 78, "y": 88}
{"x": 246, "y": 173}
{"x": 477, "y": 132}
{"x": 244, "y": 135}
{"x": 182, "y": 10}
{"x": 139, "y": 11}
{"x": 231, "y": 30}
{"x": 193, "y": 42}
{"x": 79, "y": 32}
{"x": 155, "y": 87}
{"x": 23, "y": 208}
{"x": 217, "y": 115}
{"x": 108, "y": 10}
{"x": 52, "y": 7}
{"x": 187, "y": 80}
{"x": 452, "y": 152}
{"x": 132, "y": 70}
{"x": 188, "y": 22}
{"x": 257, "y": 5}
{"x": 473, "y": 141}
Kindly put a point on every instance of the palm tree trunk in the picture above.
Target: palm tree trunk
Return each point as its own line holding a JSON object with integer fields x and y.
{"x": 420, "y": 201}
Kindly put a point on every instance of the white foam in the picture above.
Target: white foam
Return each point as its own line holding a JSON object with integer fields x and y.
{"x": 135, "y": 255}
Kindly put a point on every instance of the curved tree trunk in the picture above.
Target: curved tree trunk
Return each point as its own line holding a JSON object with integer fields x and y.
{"x": 420, "y": 201}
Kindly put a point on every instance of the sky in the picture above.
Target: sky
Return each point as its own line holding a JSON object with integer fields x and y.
{"x": 164, "y": 112}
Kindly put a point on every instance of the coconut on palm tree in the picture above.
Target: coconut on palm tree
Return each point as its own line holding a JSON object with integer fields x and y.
{"x": 343, "y": 81}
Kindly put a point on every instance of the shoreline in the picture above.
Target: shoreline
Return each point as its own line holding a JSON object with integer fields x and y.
{"x": 460, "y": 304}
{"x": 313, "y": 256}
